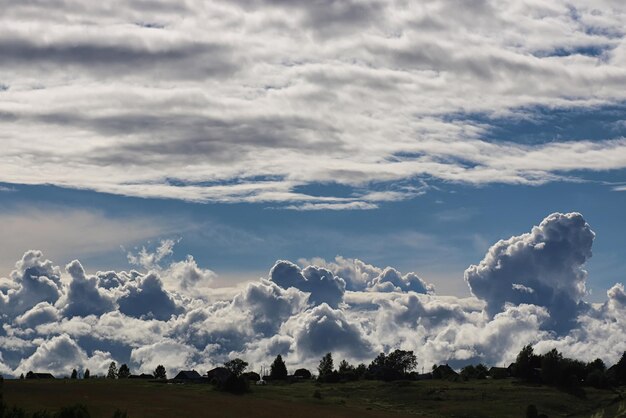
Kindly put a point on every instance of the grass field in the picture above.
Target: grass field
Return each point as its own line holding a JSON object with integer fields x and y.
{"x": 486, "y": 398}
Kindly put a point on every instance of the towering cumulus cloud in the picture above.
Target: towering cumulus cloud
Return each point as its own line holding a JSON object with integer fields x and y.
{"x": 34, "y": 280}
{"x": 528, "y": 289}
{"x": 543, "y": 267}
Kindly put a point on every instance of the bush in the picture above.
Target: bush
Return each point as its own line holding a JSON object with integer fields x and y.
{"x": 75, "y": 411}
{"x": 252, "y": 376}
{"x": 531, "y": 412}
{"x": 234, "y": 384}
{"x": 303, "y": 373}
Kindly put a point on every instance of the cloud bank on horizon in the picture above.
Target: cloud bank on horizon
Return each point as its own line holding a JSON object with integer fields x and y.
{"x": 527, "y": 289}
{"x": 257, "y": 100}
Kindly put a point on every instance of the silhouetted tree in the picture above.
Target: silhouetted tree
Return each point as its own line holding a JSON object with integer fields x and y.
{"x": 474, "y": 372}
{"x": 595, "y": 374}
{"x": 551, "y": 367}
{"x": 526, "y": 363}
{"x": 123, "y": 372}
{"x": 278, "y": 370}
{"x": 619, "y": 370}
{"x": 87, "y": 374}
{"x": 326, "y": 367}
{"x": 360, "y": 370}
{"x": 159, "y": 372}
{"x": 347, "y": 371}
{"x": 74, "y": 374}
{"x": 481, "y": 371}
{"x": 236, "y": 366}
{"x": 112, "y": 373}
{"x": 393, "y": 366}
{"x": 22, "y": 376}
{"x": 402, "y": 361}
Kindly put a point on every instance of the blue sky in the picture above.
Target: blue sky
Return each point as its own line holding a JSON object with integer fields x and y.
{"x": 438, "y": 234}
{"x": 200, "y": 142}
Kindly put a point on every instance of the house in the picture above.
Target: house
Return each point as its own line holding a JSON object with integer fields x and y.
{"x": 218, "y": 375}
{"x": 499, "y": 372}
{"x": 141, "y": 376}
{"x": 188, "y": 376}
{"x": 31, "y": 375}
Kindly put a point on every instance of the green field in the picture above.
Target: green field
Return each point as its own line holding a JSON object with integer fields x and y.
{"x": 480, "y": 398}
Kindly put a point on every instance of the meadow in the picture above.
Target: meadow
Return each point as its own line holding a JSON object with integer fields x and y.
{"x": 431, "y": 398}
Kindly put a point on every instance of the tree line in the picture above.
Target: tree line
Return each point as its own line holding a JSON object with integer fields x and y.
{"x": 551, "y": 368}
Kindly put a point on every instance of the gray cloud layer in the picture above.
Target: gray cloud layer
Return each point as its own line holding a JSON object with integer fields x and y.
{"x": 525, "y": 290}
{"x": 250, "y": 100}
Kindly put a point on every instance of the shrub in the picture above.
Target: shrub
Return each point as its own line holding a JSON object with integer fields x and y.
{"x": 252, "y": 376}
{"x": 74, "y": 411}
{"x": 120, "y": 414}
{"x": 302, "y": 373}
{"x": 234, "y": 384}
{"x": 531, "y": 411}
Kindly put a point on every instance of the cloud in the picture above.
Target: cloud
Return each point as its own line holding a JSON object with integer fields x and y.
{"x": 391, "y": 280}
{"x": 270, "y": 305}
{"x": 543, "y": 267}
{"x": 322, "y": 284}
{"x": 34, "y": 280}
{"x": 60, "y": 355}
{"x": 528, "y": 289}
{"x": 144, "y": 296}
{"x": 324, "y": 329}
{"x": 171, "y": 354}
{"x": 302, "y": 94}
{"x": 359, "y": 275}
{"x": 84, "y": 296}
{"x": 42, "y": 313}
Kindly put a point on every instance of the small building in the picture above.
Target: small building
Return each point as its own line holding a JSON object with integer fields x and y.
{"x": 499, "y": 372}
{"x": 218, "y": 375}
{"x": 141, "y": 376}
{"x": 188, "y": 375}
{"x": 31, "y": 375}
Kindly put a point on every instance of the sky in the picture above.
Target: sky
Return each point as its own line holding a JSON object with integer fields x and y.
{"x": 339, "y": 175}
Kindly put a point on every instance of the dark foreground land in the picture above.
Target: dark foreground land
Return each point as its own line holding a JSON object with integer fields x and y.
{"x": 480, "y": 398}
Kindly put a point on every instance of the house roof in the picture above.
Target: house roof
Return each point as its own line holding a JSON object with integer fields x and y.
{"x": 219, "y": 373}
{"x": 188, "y": 374}
{"x": 41, "y": 376}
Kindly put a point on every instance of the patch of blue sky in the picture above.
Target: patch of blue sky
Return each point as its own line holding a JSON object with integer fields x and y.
{"x": 225, "y": 182}
{"x": 596, "y": 51}
{"x": 437, "y": 234}
{"x": 541, "y": 124}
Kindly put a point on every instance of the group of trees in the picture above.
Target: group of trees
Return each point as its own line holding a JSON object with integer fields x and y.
{"x": 124, "y": 372}
{"x": 113, "y": 373}
{"x": 552, "y": 368}
{"x": 398, "y": 364}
